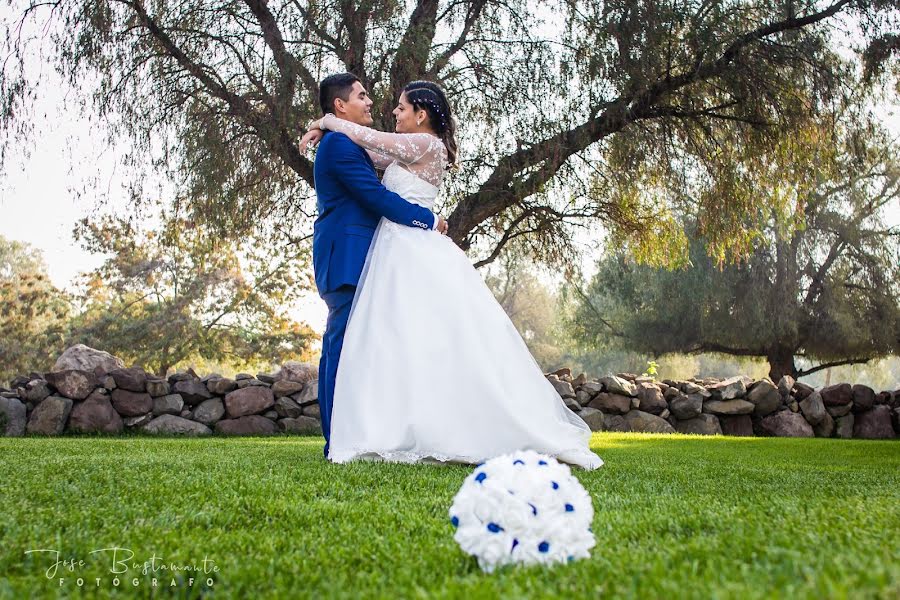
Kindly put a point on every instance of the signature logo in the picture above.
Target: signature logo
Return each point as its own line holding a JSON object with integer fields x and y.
{"x": 122, "y": 563}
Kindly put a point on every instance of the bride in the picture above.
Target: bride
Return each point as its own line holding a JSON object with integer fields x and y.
{"x": 432, "y": 369}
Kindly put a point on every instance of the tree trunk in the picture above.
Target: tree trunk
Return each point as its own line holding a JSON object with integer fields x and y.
{"x": 781, "y": 363}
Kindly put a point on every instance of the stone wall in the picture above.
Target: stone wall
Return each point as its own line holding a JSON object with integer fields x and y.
{"x": 89, "y": 391}
{"x": 734, "y": 406}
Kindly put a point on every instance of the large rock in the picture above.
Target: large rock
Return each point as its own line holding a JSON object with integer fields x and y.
{"x": 12, "y": 417}
{"x": 249, "y": 425}
{"x": 563, "y": 388}
{"x": 173, "y": 425}
{"x": 844, "y": 426}
{"x": 73, "y": 383}
{"x": 801, "y": 390}
{"x": 785, "y": 385}
{"x": 95, "y": 415}
{"x": 686, "y": 406}
{"x": 689, "y": 387}
{"x": 300, "y": 372}
{"x": 839, "y": 411}
{"x": 301, "y": 425}
{"x": 138, "y": 421}
{"x": 593, "y": 418}
{"x": 729, "y": 389}
{"x": 267, "y": 378}
{"x": 825, "y": 428}
{"x": 170, "y": 404}
{"x": 728, "y": 407}
{"x": 786, "y": 424}
{"x": 874, "y": 424}
{"x": 651, "y": 398}
{"x": 284, "y": 388}
{"x": 309, "y": 395}
{"x": 36, "y": 390}
{"x": 581, "y": 397}
{"x": 50, "y": 416}
{"x": 192, "y": 391}
{"x": 591, "y": 388}
{"x": 615, "y": 423}
{"x": 611, "y": 403}
{"x": 813, "y": 408}
{"x": 737, "y": 425}
{"x": 765, "y": 397}
{"x": 131, "y": 404}
{"x": 183, "y": 376}
{"x": 83, "y": 358}
{"x": 313, "y": 410}
{"x": 133, "y": 379}
{"x": 704, "y": 424}
{"x": 618, "y": 385}
{"x": 248, "y": 401}
{"x": 242, "y": 383}
{"x": 840, "y": 393}
{"x": 863, "y": 398}
{"x": 209, "y": 411}
{"x": 221, "y": 385}
{"x": 644, "y": 422}
{"x": 285, "y": 407}
{"x": 158, "y": 387}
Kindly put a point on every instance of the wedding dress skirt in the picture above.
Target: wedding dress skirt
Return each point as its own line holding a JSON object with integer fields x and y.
{"x": 432, "y": 369}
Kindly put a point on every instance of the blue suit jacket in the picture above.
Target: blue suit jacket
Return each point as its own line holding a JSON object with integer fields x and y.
{"x": 351, "y": 201}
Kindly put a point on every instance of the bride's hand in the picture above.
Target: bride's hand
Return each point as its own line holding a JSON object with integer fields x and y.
{"x": 311, "y": 139}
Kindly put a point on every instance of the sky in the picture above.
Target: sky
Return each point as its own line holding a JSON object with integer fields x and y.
{"x": 38, "y": 204}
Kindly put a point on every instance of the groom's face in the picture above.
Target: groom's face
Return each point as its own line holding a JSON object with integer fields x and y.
{"x": 357, "y": 107}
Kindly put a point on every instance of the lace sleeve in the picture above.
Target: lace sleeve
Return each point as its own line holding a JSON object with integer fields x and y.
{"x": 408, "y": 148}
{"x": 380, "y": 161}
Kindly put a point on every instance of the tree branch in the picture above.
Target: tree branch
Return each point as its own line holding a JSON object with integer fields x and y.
{"x": 288, "y": 65}
{"x": 714, "y": 347}
{"x": 837, "y": 363}
{"x": 501, "y": 190}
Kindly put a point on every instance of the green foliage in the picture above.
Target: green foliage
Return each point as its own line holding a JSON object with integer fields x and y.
{"x": 569, "y": 112}
{"x": 181, "y": 292}
{"x": 33, "y": 312}
{"x": 675, "y": 516}
{"x": 821, "y": 283}
{"x": 532, "y": 307}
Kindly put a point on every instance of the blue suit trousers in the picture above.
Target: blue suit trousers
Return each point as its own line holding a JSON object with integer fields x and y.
{"x": 339, "y": 303}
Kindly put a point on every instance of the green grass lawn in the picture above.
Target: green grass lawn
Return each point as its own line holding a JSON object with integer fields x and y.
{"x": 676, "y": 516}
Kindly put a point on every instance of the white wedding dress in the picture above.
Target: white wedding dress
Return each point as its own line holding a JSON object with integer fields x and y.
{"x": 432, "y": 369}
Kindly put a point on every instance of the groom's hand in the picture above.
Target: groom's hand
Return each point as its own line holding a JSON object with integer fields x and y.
{"x": 442, "y": 225}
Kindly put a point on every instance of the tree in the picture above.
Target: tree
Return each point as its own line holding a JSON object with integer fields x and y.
{"x": 562, "y": 104}
{"x": 531, "y": 306}
{"x": 33, "y": 312}
{"x": 165, "y": 296}
{"x": 821, "y": 284}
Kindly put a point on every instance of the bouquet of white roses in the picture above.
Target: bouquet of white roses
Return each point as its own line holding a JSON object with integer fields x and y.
{"x": 523, "y": 508}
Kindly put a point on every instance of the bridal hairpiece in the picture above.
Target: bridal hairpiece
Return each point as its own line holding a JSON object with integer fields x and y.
{"x": 523, "y": 508}
{"x": 435, "y": 104}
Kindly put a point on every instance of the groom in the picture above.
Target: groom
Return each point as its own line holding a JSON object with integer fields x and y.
{"x": 351, "y": 201}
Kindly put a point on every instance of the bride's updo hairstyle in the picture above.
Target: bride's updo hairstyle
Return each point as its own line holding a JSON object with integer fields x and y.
{"x": 430, "y": 97}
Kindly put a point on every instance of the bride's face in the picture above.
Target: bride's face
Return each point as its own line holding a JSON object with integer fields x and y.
{"x": 408, "y": 117}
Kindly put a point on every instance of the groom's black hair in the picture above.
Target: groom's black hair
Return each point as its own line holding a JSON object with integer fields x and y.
{"x": 335, "y": 86}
